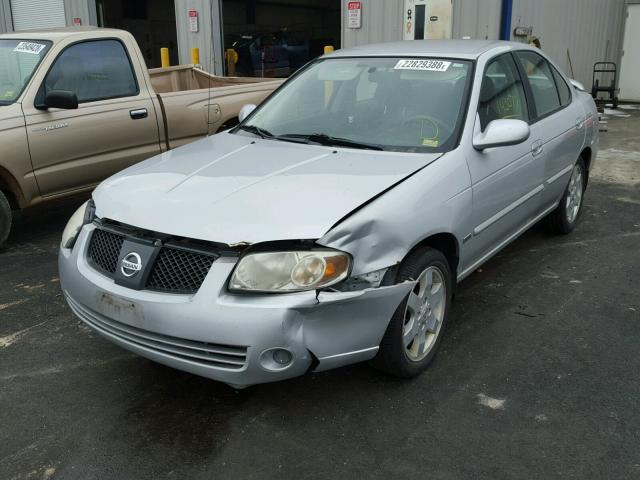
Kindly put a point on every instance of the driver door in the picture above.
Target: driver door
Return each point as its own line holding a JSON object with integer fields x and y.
{"x": 506, "y": 181}
{"x": 113, "y": 127}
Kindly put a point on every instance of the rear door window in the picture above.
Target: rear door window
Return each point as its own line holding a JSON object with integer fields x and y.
{"x": 541, "y": 81}
{"x": 95, "y": 70}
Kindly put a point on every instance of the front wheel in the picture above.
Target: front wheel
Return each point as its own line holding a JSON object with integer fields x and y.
{"x": 5, "y": 218}
{"x": 565, "y": 217}
{"x": 415, "y": 330}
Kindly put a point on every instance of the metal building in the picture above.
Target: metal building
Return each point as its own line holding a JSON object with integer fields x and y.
{"x": 575, "y": 33}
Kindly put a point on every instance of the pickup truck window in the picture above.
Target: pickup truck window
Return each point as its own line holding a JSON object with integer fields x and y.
{"x": 95, "y": 70}
{"x": 18, "y": 60}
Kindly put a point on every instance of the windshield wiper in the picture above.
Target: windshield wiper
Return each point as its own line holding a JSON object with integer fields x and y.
{"x": 261, "y": 132}
{"x": 328, "y": 140}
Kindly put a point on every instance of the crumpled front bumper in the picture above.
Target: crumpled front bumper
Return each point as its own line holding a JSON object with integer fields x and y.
{"x": 224, "y": 336}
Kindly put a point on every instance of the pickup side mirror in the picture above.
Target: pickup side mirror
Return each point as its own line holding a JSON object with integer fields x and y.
{"x": 61, "y": 99}
{"x": 245, "y": 111}
{"x": 502, "y": 133}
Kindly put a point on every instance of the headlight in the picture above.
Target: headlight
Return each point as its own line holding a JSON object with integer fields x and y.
{"x": 292, "y": 271}
{"x": 83, "y": 215}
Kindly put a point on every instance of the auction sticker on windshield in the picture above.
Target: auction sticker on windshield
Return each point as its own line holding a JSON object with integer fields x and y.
{"x": 430, "y": 65}
{"x": 29, "y": 47}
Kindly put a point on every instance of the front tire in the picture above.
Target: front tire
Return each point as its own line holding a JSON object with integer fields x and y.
{"x": 5, "y": 219}
{"x": 415, "y": 331}
{"x": 565, "y": 217}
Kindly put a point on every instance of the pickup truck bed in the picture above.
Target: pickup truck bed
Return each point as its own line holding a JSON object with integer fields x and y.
{"x": 183, "y": 89}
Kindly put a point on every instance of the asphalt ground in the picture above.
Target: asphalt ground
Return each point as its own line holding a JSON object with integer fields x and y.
{"x": 538, "y": 376}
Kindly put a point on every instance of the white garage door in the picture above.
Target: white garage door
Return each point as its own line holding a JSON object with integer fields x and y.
{"x": 630, "y": 69}
{"x": 31, "y": 14}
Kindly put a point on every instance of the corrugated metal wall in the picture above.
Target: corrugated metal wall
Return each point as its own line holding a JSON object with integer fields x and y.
{"x": 591, "y": 30}
{"x": 5, "y": 16}
{"x": 208, "y": 39}
{"x": 85, "y": 10}
{"x": 478, "y": 19}
{"x": 382, "y": 21}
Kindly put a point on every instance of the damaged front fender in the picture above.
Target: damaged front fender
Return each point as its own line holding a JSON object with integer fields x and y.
{"x": 347, "y": 327}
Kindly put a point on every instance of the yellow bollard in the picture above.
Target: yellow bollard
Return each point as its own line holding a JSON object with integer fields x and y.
{"x": 164, "y": 57}
{"x": 195, "y": 56}
{"x": 232, "y": 58}
{"x": 328, "y": 84}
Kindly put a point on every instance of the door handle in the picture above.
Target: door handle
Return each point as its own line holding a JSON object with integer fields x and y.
{"x": 138, "y": 113}
{"x": 579, "y": 123}
{"x": 537, "y": 148}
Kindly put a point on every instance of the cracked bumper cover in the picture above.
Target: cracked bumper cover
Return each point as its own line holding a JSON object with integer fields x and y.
{"x": 337, "y": 328}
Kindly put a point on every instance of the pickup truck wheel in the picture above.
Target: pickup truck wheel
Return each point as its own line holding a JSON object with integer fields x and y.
{"x": 5, "y": 218}
{"x": 565, "y": 218}
{"x": 415, "y": 330}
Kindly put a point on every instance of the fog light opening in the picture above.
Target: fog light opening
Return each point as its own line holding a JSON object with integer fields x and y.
{"x": 282, "y": 356}
{"x": 276, "y": 359}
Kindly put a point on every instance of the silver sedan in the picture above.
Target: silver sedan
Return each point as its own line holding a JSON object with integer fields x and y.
{"x": 333, "y": 224}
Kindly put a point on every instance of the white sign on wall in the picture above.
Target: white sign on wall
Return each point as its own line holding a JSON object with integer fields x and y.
{"x": 354, "y": 17}
{"x": 193, "y": 21}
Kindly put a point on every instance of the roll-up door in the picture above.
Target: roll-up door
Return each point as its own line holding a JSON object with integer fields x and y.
{"x": 32, "y": 14}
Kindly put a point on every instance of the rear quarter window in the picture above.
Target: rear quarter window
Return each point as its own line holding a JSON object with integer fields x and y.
{"x": 564, "y": 92}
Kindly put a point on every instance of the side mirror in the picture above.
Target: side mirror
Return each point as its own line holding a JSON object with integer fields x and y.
{"x": 245, "y": 111}
{"x": 61, "y": 99}
{"x": 502, "y": 133}
{"x": 577, "y": 85}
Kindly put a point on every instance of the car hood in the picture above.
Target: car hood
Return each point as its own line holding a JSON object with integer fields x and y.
{"x": 235, "y": 189}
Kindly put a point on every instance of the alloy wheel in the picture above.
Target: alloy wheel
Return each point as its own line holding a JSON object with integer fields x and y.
{"x": 424, "y": 314}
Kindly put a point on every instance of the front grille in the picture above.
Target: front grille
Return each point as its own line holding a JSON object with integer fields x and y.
{"x": 229, "y": 357}
{"x": 177, "y": 269}
{"x": 104, "y": 250}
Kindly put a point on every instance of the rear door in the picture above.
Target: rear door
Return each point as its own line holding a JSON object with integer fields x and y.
{"x": 113, "y": 127}
{"x": 558, "y": 127}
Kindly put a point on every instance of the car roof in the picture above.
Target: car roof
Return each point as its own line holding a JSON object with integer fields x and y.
{"x": 56, "y": 34}
{"x": 464, "y": 49}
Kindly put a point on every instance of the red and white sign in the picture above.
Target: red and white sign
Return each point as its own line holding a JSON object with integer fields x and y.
{"x": 354, "y": 17}
{"x": 77, "y": 21}
{"x": 193, "y": 21}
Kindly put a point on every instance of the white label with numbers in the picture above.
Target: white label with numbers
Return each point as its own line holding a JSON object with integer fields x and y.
{"x": 29, "y": 47}
{"x": 430, "y": 65}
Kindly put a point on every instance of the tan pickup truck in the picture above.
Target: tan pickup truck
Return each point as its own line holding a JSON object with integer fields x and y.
{"x": 78, "y": 104}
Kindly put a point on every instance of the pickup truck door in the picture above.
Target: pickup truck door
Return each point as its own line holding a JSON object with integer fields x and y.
{"x": 506, "y": 181}
{"x": 114, "y": 126}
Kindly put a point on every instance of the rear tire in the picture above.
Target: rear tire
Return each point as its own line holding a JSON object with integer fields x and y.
{"x": 5, "y": 219}
{"x": 416, "y": 328}
{"x": 565, "y": 217}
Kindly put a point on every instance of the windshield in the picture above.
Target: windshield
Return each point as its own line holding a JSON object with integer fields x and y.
{"x": 18, "y": 61}
{"x": 400, "y": 104}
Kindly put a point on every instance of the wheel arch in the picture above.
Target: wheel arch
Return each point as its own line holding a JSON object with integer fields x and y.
{"x": 9, "y": 186}
{"x": 445, "y": 242}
